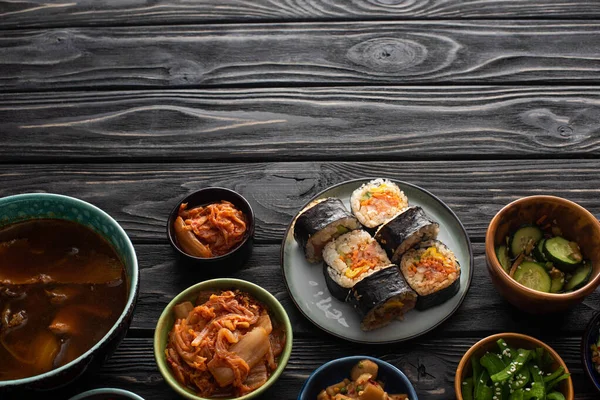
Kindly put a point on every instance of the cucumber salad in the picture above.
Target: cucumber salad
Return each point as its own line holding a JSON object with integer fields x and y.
{"x": 513, "y": 374}
{"x": 539, "y": 257}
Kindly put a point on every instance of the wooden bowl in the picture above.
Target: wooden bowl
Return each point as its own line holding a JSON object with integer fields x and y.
{"x": 515, "y": 340}
{"x": 576, "y": 223}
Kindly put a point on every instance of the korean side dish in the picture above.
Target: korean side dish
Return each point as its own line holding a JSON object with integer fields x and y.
{"x": 362, "y": 385}
{"x": 510, "y": 373}
{"x": 226, "y": 345}
{"x": 62, "y": 287}
{"x": 540, "y": 257}
{"x": 211, "y": 230}
{"x": 595, "y": 349}
{"x": 382, "y": 257}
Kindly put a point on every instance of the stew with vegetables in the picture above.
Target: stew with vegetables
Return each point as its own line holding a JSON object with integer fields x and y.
{"x": 362, "y": 385}
{"x": 62, "y": 287}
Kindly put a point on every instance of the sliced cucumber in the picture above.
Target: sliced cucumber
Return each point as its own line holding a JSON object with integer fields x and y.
{"x": 580, "y": 277}
{"x": 503, "y": 257}
{"x": 534, "y": 276}
{"x": 523, "y": 237}
{"x": 565, "y": 255}
{"x": 558, "y": 282}
{"x": 538, "y": 251}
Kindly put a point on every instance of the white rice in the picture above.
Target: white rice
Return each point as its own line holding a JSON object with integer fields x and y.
{"x": 335, "y": 251}
{"x": 369, "y": 216}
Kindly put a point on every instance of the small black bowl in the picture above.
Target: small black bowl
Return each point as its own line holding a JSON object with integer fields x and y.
{"x": 590, "y": 336}
{"x": 236, "y": 256}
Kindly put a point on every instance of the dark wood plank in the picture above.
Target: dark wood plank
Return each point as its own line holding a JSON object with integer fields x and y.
{"x": 140, "y": 196}
{"x": 482, "y": 304}
{"x": 294, "y": 54}
{"x": 340, "y": 123}
{"x": 36, "y": 13}
{"x": 429, "y": 363}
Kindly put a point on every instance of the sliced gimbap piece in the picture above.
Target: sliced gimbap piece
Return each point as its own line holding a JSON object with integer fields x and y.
{"x": 320, "y": 222}
{"x": 349, "y": 259}
{"x": 381, "y": 298}
{"x": 377, "y": 201}
{"x": 432, "y": 271}
{"x": 406, "y": 230}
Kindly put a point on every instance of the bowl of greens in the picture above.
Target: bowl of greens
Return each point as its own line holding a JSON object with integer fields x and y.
{"x": 515, "y": 365}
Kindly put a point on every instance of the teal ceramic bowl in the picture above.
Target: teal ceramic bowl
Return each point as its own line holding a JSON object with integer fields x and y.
{"x": 167, "y": 319}
{"x": 30, "y": 206}
{"x": 107, "y": 394}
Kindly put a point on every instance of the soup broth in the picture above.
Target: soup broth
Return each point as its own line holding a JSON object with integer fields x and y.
{"x": 62, "y": 287}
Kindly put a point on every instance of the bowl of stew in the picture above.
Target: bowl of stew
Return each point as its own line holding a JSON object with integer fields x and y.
{"x": 212, "y": 227}
{"x": 357, "y": 377}
{"x": 222, "y": 338}
{"x": 68, "y": 287}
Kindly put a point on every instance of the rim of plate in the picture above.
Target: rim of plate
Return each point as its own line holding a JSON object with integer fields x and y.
{"x": 367, "y": 179}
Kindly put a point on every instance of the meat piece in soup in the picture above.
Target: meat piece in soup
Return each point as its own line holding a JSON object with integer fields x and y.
{"x": 62, "y": 287}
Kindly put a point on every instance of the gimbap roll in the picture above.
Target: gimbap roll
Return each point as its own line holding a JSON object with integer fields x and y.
{"x": 381, "y": 298}
{"x": 349, "y": 259}
{"x": 432, "y": 271}
{"x": 377, "y": 201}
{"x": 320, "y": 222}
{"x": 406, "y": 230}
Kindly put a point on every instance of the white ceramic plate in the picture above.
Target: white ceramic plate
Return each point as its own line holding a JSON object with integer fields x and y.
{"x": 306, "y": 283}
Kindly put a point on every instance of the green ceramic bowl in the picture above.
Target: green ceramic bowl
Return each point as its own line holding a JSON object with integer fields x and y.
{"x": 167, "y": 319}
{"x": 30, "y": 206}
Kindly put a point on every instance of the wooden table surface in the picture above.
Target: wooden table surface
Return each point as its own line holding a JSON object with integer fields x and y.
{"x": 131, "y": 105}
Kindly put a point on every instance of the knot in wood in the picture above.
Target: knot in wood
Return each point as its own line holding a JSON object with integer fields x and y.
{"x": 387, "y": 54}
{"x": 565, "y": 131}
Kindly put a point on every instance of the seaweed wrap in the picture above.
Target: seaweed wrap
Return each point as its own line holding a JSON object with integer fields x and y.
{"x": 433, "y": 272}
{"x": 377, "y": 201}
{"x": 381, "y": 298}
{"x": 320, "y": 222}
{"x": 349, "y": 259}
{"x": 406, "y": 230}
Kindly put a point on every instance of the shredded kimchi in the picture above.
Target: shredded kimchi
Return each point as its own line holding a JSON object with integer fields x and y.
{"x": 210, "y": 231}
{"x": 227, "y": 346}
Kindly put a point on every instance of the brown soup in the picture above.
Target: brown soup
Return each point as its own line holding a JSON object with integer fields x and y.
{"x": 62, "y": 287}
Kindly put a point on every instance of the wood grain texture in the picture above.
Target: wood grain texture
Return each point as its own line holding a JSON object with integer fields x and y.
{"x": 37, "y": 13}
{"x": 482, "y": 304}
{"x": 429, "y": 363}
{"x": 140, "y": 196}
{"x": 376, "y": 123}
{"x": 295, "y": 54}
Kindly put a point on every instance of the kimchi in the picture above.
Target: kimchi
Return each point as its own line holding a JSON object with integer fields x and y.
{"x": 224, "y": 347}
{"x": 210, "y": 231}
